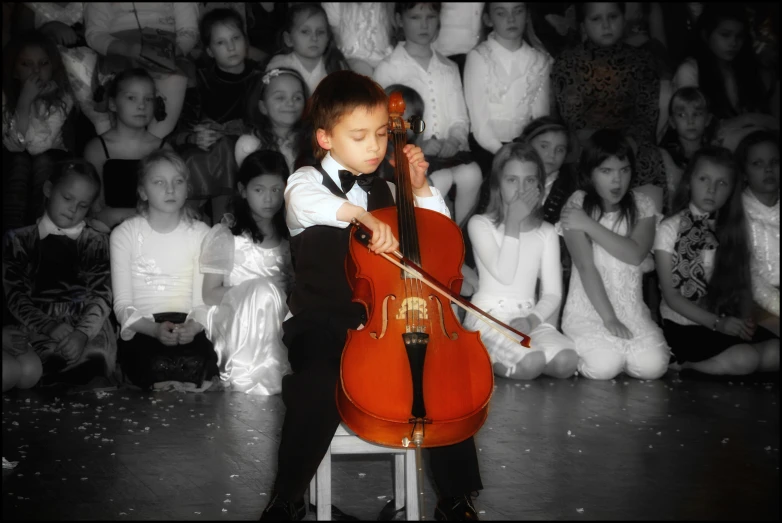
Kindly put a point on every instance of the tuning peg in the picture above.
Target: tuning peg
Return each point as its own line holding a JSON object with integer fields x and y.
{"x": 417, "y": 124}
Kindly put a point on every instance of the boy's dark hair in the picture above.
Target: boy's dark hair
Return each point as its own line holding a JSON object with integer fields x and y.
{"x": 338, "y": 94}
{"x": 258, "y": 163}
{"x": 333, "y": 59}
{"x": 221, "y": 15}
{"x": 729, "y": 289}
{"x": 602, "y": 145}
{"x": 401, "y": 8}
{"x": 78, "y": 167}
{"x": 690, "y": 95}
{"x": 12, "y": 87}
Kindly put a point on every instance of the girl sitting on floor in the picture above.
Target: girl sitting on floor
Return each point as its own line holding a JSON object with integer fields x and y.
{"x": 703, "y": 262}
{"x": 154, "y": 274}
{"x": 247, "y": 269}
{"x": 56, "y": 279}
{"x": 514, "y": 247}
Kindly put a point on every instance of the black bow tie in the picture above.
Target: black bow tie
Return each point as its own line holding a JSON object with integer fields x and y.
{"x": 347, "y": 179}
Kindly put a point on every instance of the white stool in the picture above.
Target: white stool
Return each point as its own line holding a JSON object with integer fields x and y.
{"x": 345, "y": 441}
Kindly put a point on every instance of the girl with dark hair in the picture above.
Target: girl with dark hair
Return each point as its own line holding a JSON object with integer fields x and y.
{"x": 275, "y": 109}
{"x": 758, "y": 158}
{"x": 116, "y": 154}
{"x": 247, "y": 273}
{"x": 57, "y": 282}
{"x": 308, "y": 44}
{"x": 609, "y": 230}
{"x": 723, "y": 63}
{"x": 604, "y": 83}
{"x": 703, "y": 263}
{"x": 514, "y": 248}
{"x": 37, "y": 100}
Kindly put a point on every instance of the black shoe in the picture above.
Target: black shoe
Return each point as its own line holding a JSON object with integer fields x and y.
{"x": 281, "y": 510}
{"x": 459, "y": 508}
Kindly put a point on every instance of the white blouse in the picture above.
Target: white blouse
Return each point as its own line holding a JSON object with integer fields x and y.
{"x": 445, "y": 112}
{"x": 509, "y": 267}
{"x": 764, "y": 241}
{"x": 665, "y": 240}
{"x": 460, "y": 27}
{"x": 362, "y": 29}
{"x": 153, "y": 272}
{"x": 505, "y": 90}
{"x": 291, "y": 61}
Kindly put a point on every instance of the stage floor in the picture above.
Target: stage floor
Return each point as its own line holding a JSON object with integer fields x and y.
{"x": 551, "y": 449}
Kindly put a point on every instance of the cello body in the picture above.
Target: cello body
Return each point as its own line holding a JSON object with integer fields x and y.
{"x": 412, "y": 364}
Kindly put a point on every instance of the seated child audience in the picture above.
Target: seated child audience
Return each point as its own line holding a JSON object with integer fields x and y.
{"x": 116, "y": 153}
{"x": 156, "y": 282}
{"x": 247, "y": 270}
{"x": 120, "y": 33}
{"x": 689, "y": 119}
{"x": 37, "y": 100}
{"x": 461, "y": 28}
{"x": 56, "y": 279}
{"x": 703, "y": 263}
{"x": 215, "y": 110}
{"x": 506, "y": 80}
{"x": 21, "y": 365}
{"x": 362, "y": 32}
{"x": 514, "y": 247}
{"x": 275, "y": 108}
{"x": 445, "y": 138}
{"x": 308, "y": 44}
{"x": 609, "y": 230}
{"x": 758, "y": 158}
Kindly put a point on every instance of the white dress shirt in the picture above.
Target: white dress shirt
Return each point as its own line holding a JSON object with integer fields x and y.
{"x": 445, "y": 112}
{"x": 460, "y": 27}
{"x": 505, "y": 90}
{"x": 308, "y": 202}
{"x": 291, "y": 61}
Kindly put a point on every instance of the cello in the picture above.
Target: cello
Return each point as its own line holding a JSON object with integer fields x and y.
{"x": 412, "y": 374}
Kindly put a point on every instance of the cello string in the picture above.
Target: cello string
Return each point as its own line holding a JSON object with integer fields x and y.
{"x": 403, "y": 232}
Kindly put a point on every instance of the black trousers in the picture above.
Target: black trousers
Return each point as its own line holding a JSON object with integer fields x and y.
{"x": 145, "y": 360}
{"x": 315, "y": 343}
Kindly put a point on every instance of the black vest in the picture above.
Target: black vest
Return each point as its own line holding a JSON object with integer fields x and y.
{"x": 318, "y": 255}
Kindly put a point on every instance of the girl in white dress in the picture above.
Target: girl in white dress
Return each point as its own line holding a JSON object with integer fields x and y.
{"x": 247, "y": 270}
{"x": 609, "y": 231}
{"x": 513, "y": 248}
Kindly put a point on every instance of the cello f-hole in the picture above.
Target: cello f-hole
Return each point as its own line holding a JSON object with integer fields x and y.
{"x": 374, "y": 335}
{"x": 453, "y": 335}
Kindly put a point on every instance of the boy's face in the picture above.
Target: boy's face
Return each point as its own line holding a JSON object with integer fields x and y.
{"x": 419, "y": 24}
{"x": 228, "y": 47}
{"x": 359, "y": 139}
{"x": 689, "y": 120}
